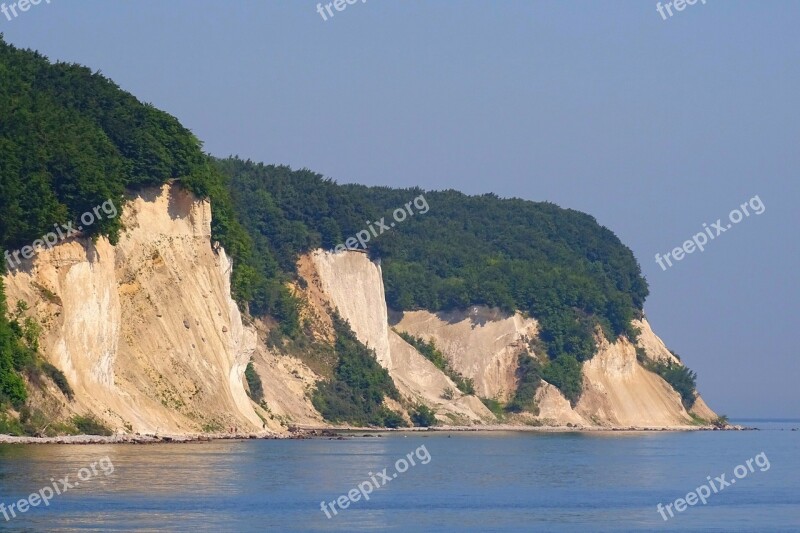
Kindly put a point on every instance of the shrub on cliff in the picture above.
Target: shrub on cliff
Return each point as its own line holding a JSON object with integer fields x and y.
{"x": 254, "y": 384}
{"x": 89, "y": 425}
{"x": 564, "y": 372}
{"x": 14, "y": 357}
{"x": 59, "y": 379}
{"x": 529, "y": 377}
{"x": 423, "y": 416}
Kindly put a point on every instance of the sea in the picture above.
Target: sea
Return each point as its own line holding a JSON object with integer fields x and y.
{"x": 415, "y": 481}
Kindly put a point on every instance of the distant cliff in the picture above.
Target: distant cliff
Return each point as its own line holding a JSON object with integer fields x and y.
{"x": 485, "y": 345}
{"x": 149, "y": 339}
{"x": 209, "y": 304}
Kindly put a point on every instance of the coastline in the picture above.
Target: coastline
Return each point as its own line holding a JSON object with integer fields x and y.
{"x": 496, "y": 428}
{"x": 338, "y": 432}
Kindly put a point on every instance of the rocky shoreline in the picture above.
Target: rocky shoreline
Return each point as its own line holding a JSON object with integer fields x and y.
{"x": 339, "y": 432}
{"x": 537, "y": 429}
{"x": 166, "y": 439}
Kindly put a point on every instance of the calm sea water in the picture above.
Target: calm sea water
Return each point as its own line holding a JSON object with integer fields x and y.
{"x": 471, "y": 482}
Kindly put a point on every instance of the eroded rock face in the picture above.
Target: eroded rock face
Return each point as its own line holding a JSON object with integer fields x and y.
{"x": 654, "y": 346}
{"x": 419, "y": 380}
{"x": 287, "y": 385}
{"x": 555, "y": 409}
{"x": 145, "y": 331}
{"x": 618, "y": 391}
{"x": 480, "y": 343}
{"x": 484, "y": 344}
{"x": 353, "y": 285}
{"x": 656, "y": 350}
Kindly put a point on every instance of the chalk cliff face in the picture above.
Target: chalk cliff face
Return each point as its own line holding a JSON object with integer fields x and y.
{"x": 481, "y": 343}
{"x": 145, "y": 331}
{"x": 618, "y": 390}
{"x": 484, "y": 344}
{"x": 150, "y": 340}
{"x": 353, "y": 285}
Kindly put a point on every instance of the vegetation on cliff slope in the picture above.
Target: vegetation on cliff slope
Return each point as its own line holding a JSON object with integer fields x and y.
{"x": 356, "y": 392}
{"x": 529, "y": 377}
{"x": 556, "y": 264}
{"x": 14, "y": 357}
{"x": 680, "y": 377}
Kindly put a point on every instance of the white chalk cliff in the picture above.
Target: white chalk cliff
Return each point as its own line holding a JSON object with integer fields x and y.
{"x": 145, "y": 331}
{"x": 150, "y": 340}
{"x": 484, "y": 344}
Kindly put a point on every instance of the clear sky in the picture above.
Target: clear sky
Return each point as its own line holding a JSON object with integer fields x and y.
{"x": 653, "y": 126}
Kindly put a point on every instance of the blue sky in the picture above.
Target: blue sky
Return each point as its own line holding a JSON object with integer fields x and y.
{"x": 653, "y": 126}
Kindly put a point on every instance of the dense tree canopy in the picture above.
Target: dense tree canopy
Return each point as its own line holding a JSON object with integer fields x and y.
{"x": 557, "y": 264}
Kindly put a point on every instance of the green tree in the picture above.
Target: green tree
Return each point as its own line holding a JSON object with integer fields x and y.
{"x": 564, "y": 372}
{"x": 423, "y": 416}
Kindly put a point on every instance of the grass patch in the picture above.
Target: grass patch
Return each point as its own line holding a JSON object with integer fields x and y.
{"x": 90, "y": 425}
{"x": 10, "y": 426}
{"x": 212, "y": 427}
{"x": 495, "y": 406}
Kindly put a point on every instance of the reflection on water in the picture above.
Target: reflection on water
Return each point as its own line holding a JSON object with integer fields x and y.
{"x": 475, "y": 481}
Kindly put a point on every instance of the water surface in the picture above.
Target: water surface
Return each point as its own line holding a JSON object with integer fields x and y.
{"x": 472, "y": 482}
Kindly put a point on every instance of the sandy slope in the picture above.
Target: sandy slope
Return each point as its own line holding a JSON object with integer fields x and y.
{"x": 618, "y": 391}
